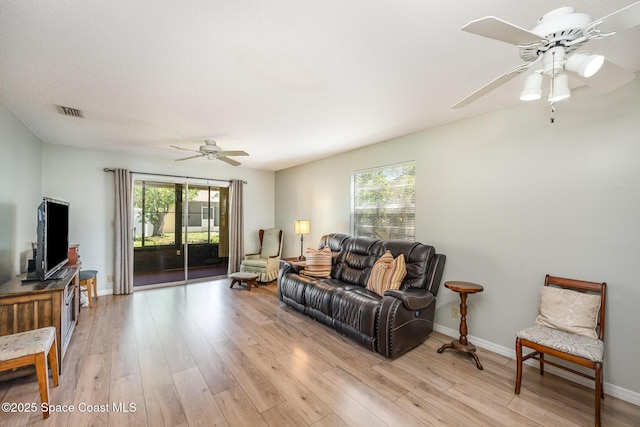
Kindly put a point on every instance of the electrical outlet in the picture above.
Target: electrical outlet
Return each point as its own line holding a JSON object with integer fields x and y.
{"x": 110, "y": 278}
{"x": 454, "y": 311}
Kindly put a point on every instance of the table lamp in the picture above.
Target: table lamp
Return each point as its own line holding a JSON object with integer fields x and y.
{"x": 302, "y": 227}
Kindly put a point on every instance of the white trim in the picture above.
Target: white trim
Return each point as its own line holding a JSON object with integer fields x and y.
{"x": 609, "y": 389}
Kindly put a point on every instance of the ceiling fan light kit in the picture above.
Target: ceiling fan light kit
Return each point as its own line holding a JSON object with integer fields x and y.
{"x": 532, "y": 88}
{"x": 559, "y": 88}
{"x": 554, "y": 41}
{"x": 584, "y": 64}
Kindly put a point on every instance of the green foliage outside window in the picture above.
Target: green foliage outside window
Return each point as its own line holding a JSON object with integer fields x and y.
{"x": 384, "y": 202}
{"x": 158, "y": 201}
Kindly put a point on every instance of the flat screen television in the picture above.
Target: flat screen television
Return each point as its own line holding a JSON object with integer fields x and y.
{"x": 52, "y": 248}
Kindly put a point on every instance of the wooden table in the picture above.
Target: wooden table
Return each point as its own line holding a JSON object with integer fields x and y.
{"x": 461, "y": 344}
{"x": 25, "y": 306}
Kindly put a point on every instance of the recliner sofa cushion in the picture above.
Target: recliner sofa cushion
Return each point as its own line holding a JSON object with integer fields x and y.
{"x": 361, "y": 254}
{"x": 417, "y": 257}
{"x": 319, "y": 295}
{"x": 356, "y": 308}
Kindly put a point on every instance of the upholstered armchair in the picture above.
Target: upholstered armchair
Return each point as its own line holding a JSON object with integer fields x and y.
{"x": 266, "y": 263}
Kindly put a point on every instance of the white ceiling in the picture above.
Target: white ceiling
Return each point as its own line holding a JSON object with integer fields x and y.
{"x": 288, "y": 81}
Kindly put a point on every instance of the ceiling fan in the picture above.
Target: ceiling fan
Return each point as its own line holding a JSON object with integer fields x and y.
{"x": 553, "y": 44}
{"x": 211, "y": 151}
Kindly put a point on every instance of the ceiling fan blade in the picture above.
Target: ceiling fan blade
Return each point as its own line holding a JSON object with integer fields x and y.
{"x": 516, "y": 71}
{"x": 233, "y": 153}
{"x": 609, "y": 78}
{"x": 184, "y": 149}
{"x": 498, "y": 29}
{"x": 228, "y": 160}
{"x": 621, "y": 19}
{"x": 190, "y": 157}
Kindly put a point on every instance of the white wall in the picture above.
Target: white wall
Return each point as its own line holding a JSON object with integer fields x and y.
{"x": 509, "y": 197}
{"x": 20, "y": 193}
{"x": 77, "y": 176}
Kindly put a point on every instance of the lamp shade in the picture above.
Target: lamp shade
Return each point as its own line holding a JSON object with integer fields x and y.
{"x": 585, "y": 64}
{"x": 532, "y": 88}
{"x": 302, "y": 226}
{"x": 559, "y": 88}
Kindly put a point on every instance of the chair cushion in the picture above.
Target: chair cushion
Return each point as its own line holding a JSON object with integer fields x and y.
{"x": 567, "y": 342}
{"x": 261, "y": 263}
{"x": 318, "y": 263}
{"x": 87, "y": 274}
{"x": 26, "y": 343}
{"x": 387, "y": 273}
{"x": 569, "y": 311}
{"x": 270, "y": 243}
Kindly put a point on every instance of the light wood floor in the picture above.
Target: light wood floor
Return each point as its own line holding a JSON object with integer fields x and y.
{"x": 204, "y": 354}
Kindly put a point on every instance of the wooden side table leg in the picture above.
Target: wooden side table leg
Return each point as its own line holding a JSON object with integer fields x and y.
{"x": 462, "y": 344}
{"x": 463, "y": 318}
{"x": 444, "y": 347}
{"x": 475, "y": 357}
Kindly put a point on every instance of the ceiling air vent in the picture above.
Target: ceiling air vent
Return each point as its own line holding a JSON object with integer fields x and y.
{"x": 68, "y": 111}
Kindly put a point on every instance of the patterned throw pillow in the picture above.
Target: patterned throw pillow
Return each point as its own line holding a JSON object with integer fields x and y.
{"x": 318, "y": 263}
{"x": 569, "y": 311}
{"x": 387, "y": 273}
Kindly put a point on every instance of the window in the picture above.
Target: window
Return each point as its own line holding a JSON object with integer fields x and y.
{"x": 158, "y": 213}
{"x": 383, "y": 202}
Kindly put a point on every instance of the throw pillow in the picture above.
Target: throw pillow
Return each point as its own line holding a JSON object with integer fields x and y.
{"x": 318, "y": 262}
{"x": 569, "y": 311}
{"x": 387, "y": 273}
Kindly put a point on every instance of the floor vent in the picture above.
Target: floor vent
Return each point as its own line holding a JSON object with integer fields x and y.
{"x": 68, "y": 111}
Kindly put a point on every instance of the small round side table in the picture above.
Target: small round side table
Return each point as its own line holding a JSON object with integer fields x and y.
{"x": 463, "y": 288}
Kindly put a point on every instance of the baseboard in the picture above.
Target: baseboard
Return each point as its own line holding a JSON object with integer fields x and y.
{"x": 609, "y": 389}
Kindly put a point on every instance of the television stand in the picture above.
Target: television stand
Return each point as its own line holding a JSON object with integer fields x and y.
{"x": 35, "y": 304}
{"x": 31, "y": 277}
{"x": 58, "y": 275}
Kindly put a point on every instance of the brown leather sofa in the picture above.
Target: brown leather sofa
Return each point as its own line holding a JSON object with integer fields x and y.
{"x": 390, "y": 325}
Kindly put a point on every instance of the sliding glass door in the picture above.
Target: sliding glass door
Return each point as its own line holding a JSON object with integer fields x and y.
{"x": 205, "y": 235}
{"x": 181, "y": 231}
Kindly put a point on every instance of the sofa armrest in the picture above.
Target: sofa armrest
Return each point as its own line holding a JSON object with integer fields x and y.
{"x": 290, "y": 267}
{"x": 412, "y": 298}
{"x": 405, "y": 320}
{"x": 252, "y": 256}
